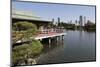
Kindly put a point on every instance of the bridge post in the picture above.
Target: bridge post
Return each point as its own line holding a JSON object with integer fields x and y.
{"x": 49, "y": 42}
{"x": 62, "y": 37}
{"x": 58, "y": 40}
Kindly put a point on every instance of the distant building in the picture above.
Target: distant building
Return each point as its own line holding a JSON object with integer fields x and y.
{"x": 85, "y": 21}
{"x": 76, "y": 23}
{"x": 58, "y": 20}
{"x": 53, "y": 20}
{"x": 81, "y": 20}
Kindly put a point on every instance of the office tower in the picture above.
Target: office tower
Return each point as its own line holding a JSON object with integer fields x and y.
{"x": 84, "y": 20}
{"x": 76, "y": 22}
{"x": 52, "y": 20}
{"x": 81, "y": 20}
{"x": 58, "y": 20}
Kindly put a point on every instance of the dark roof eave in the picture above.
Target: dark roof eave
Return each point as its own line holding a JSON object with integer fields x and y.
{"x": 33, "y": 20}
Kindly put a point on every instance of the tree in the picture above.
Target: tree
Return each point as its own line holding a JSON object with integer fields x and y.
{"x": 90, "y": 25}
{"x": 25, "y": 51}
{"x": 23, "y": 31}
{"x": 24, "y": 26}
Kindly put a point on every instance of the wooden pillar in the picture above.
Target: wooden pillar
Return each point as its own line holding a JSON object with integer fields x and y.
{"x": 62, "y": 37}
{"x": 49, "y": 42}
{"x": 57, "y": 40}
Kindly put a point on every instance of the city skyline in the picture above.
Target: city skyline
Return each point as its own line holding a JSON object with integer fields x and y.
{"x": 48, "y": 11}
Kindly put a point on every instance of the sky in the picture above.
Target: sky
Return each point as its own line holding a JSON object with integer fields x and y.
{"x": 48, "y": 11}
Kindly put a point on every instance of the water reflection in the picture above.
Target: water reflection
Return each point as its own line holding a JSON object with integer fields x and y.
{"x": 55, "y": 44}
{"x": 76, "y": 46}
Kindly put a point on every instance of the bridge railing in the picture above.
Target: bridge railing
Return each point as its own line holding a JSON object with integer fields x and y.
{"x": 47, "y": 31}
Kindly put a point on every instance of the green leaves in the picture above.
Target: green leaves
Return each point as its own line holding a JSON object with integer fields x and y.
{"x": 23, "y": 30}
{"x": 24, "y": 26}
{"x": 26, "y": 51}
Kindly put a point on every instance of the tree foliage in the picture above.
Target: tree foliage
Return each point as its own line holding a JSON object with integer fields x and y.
{"x": 90, "y": 25}
{"x": 19, "y": 26}
{"x": 26, "y": 51}
{"x": 23, "y": 31}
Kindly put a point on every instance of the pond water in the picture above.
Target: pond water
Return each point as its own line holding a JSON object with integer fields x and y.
{"x": 77, "y": 46}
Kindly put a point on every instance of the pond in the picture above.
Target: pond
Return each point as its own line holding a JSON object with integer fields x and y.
{"x": 77, "y": 46}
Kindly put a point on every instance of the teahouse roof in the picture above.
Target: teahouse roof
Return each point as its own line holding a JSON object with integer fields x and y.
{"x": 26, "y": 15}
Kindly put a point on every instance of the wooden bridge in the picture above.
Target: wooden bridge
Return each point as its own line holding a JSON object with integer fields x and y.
{"x": 47, "y": 33}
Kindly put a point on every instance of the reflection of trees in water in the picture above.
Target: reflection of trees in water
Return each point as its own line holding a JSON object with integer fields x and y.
{"x": 84, "y": 35}
{"x": 50, "y": 52}
{"x": 54, "y": 44}
{"x": 80, "y": 36}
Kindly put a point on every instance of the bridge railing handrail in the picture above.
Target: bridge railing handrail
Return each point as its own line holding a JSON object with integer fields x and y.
{"x": 51, "y": 31}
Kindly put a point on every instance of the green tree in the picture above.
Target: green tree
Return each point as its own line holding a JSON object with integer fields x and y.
{"x": 90, "y": 26}
{"x": 23, "y": 31}
{"x": 25, "y": 51}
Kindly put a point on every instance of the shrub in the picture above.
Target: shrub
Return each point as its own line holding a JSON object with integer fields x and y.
{"x": 23, "y": 31}
{"x": 20, "y": 26}
{"x": 26, "y": 51}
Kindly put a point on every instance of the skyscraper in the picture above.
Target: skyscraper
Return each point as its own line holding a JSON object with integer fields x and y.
{"x": 81, "y": 20}
{"x": 76, "y": 22}
{"x": 84, "y": 20}
{"x": 58, "y": 20}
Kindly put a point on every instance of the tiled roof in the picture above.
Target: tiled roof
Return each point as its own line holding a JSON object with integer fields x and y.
{"x": 21, "y": 14}
{"x": 27, "y": 15}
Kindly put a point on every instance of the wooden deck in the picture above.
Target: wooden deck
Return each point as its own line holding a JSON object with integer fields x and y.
{"x": 48, "y": 35}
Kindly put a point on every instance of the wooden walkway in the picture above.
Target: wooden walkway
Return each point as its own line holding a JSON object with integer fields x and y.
{"x": 49, "y": 35}
{"x": 46, "y": 34}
